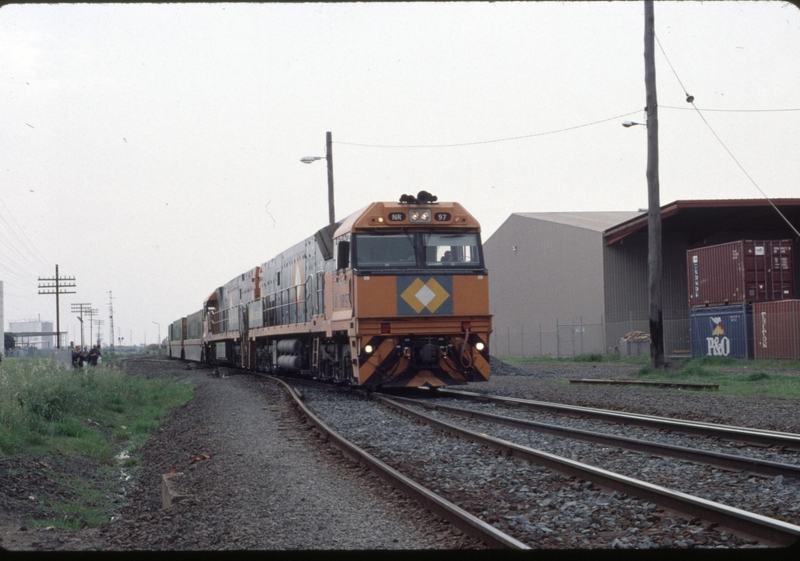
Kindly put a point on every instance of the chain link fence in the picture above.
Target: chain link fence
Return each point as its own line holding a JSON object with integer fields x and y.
{"x": 574, "y": 337}
{"x": 558, "y": 340}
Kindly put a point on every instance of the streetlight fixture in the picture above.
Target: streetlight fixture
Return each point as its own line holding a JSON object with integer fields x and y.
{"x": 628, "y": 124}
{"x": 329, "y": 157}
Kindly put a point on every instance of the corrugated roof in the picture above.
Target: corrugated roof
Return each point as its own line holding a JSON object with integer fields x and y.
{"x": 597, "y": 221}
{"x": 705, "y": 217}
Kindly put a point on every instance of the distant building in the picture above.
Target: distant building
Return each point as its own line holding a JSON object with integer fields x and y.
{"x": 546, "y": 284}
{"x": 25, "y": 334}
{"x": 563, "y": 284}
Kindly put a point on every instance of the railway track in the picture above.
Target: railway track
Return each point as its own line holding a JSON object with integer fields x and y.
{"x": 461, "y": 519}
{"x": 608, "y": 509}
{"x": 749, "y": 435}
{"x": 689, "y": 451}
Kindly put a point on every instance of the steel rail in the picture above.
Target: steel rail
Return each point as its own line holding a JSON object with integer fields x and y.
{"x": 718, "y": 459}
{"x": 743, "y": 434}
{"x": 740, "y": 521}
{"x": 461, "y": 519}
{"x": 645, "y": 383}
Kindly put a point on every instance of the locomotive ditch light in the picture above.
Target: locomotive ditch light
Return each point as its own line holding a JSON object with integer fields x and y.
{"x": 479, "y": 345}
{"x": 368, "y": 349}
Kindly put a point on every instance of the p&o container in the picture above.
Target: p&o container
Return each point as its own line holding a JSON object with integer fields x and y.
{"x": 741, "y": 272}
{"x": 776, "y": 329}
{"x": 722, "y": 331}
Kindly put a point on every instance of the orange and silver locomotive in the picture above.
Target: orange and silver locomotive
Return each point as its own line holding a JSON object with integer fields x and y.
{"x": 394, "y": 295}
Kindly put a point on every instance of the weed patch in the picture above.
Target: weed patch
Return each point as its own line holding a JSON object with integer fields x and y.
{"x": 84, "y": 415}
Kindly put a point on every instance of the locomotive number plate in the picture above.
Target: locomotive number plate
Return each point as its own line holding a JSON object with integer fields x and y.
{"x": 396, "y": 216}
{"x": 441, "y": 216}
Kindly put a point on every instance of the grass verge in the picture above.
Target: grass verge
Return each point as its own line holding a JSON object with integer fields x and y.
{"x": 93, "y": 413}
{"x": 735, "y": 378}
{"x": 738, "y": 378}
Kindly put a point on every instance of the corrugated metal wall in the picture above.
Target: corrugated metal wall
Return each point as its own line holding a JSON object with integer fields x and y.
{"x": 545, "y": 288}
{"x": 627, "y": 305}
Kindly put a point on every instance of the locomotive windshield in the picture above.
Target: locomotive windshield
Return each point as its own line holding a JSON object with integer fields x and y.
{"x": 385, "y": 251}
{"x": 417, "y": 250}
{"x": 451, "y": 250}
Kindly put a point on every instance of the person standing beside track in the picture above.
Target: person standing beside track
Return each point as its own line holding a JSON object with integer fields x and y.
{"x": 94, "y": 355}
{"x": 77, "y": 358}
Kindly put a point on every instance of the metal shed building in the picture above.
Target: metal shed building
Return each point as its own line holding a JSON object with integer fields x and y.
{"x": 563, "y": 284}
{"x": 546, "y": 284}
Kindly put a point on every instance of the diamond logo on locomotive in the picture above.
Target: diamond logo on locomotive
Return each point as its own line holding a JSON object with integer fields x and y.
{"x": 420, "y": 296}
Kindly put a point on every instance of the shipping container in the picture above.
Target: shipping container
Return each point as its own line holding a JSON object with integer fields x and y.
{"x": 740, "y": 272}
{"x": 776, "y": 329}
{"x": 722, "y": 331}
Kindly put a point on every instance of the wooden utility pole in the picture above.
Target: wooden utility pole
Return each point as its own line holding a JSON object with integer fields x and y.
{"x": 82, "y": 308}
{"x": 653, "y": 205}
{"x": 57, "y": 285}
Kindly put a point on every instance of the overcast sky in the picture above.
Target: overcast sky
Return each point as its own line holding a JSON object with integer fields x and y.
{"x": 153, "y": 151}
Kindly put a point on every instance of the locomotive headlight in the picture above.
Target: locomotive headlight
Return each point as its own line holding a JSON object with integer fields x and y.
{"x": 368, "y": 349}
{"x": 420, "y": 215}
{"x": 480, "y": 346}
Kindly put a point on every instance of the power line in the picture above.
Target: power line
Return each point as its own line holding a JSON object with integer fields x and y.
{"x": 488, "y": 141}
{"x": 38, "y": 255}
{"x": 690, "y": 99}
{"x": 670, "y": 65}
{"x": 747, "y": 174}
{"x": 731, "y": 110}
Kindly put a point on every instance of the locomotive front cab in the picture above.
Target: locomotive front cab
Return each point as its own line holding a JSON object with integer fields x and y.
{"x": 420, "y": 296}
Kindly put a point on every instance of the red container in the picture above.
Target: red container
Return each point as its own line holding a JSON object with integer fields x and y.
{"x": 740, "y": 272}
{"x": 776, "y": 329}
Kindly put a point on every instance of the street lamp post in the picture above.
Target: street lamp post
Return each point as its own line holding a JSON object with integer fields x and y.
{"x": 329, "y": 158}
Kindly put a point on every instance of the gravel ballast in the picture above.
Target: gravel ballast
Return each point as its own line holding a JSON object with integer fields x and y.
{"x": 268, "y": 484}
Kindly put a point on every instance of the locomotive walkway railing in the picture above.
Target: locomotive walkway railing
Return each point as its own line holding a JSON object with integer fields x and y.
{"x": 287, "y": 305}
